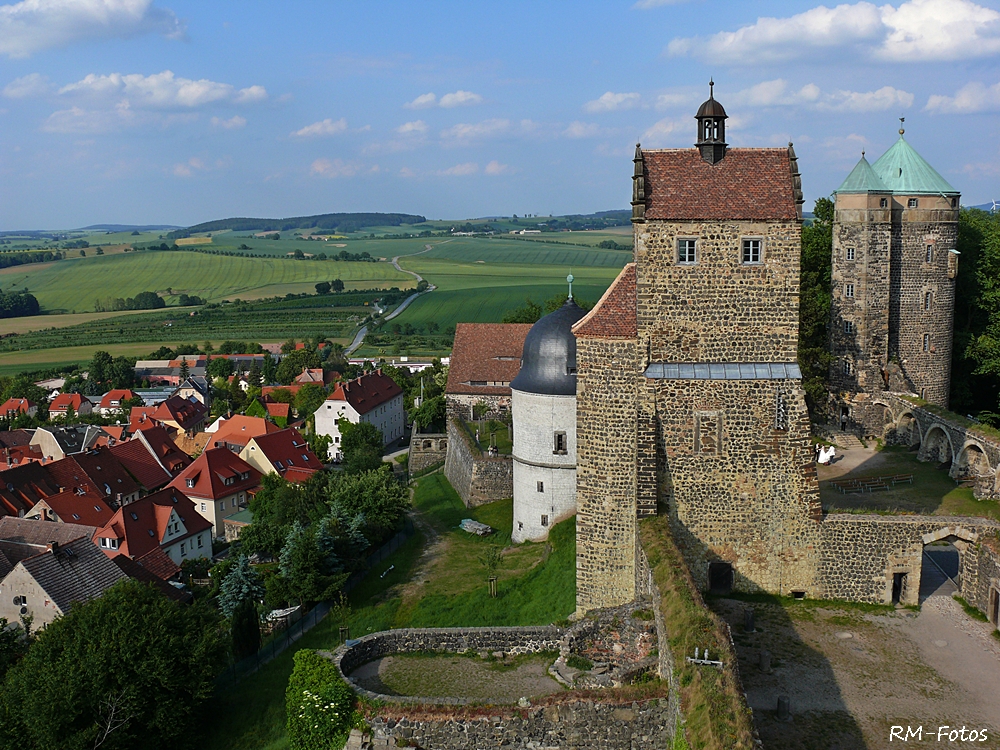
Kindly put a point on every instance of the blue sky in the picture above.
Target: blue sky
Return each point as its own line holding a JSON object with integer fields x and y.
{"x": 174, "y": 111}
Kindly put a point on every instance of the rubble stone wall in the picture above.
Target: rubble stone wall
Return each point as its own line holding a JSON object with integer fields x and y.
{"x": 478, "y": 479}
{"x": 426, "y": 449}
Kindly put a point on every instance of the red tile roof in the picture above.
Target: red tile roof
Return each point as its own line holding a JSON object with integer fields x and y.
{"x": 97, "y": 469}
{"x": 613, "y": 317}
{"x": 171, "y": 457}
{"x": 141, "y": 464}
{"x": 23, "y": 486}
{"x": 267, "y": 390}
{"x": 486, "y": 353}
{"x": 289, "y": 453}
{"x": 278, "y": 410}
{"x": 137, "y": 569}
{"x": 141, "y": 527}
{"x": 61, "y": 403}
{"x": 113, "y": 399}
{"x": 158, "y": 562}
{"x": 237, "y": 431}
{"x": 188, "y": 413}
{"x": 141, "y": 418}
{"x": 366, "y": 392}
{"x": 749, "y": 183}
{"x": 210, "y": 472}
{"x": 86, "y": 507}
{"x": 16, "y": 406}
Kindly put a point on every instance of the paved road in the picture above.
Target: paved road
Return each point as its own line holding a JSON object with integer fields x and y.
{"x": 360, "y": 335}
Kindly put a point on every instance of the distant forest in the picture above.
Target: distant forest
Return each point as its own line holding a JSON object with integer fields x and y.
{"x": 336, "y": 222}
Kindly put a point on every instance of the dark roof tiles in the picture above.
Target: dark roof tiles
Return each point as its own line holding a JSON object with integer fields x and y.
{"x": 485, "y": 353}
{"x": 614, "y": 316}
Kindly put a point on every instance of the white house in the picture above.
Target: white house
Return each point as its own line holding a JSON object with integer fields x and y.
{"x": 374, "y": 398}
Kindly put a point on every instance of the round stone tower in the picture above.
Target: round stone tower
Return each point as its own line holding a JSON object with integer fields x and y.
{"x": 543, "y": 405}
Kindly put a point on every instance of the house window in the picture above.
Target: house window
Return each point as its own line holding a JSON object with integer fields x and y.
{"x": 189, "y": 483}
{"x": 927, "y": 342}
{"x": 222, "y": 505}
{"x": 686, "y": 251}
{"x": 545, "y": 520}
{"x": 540, "y": 486}
{"x": 751, "y": 251}
{"x": 847, "y": 367}
{"x": 850, "y": 253}
{"x": 203, "y": 508}
{"x": 199, "y": 541}
{"x": 911, "y": 203}
{"x": 883, "y": 203}
{"x": 930, "y": 253}
{"x": 927, "y": 300}
{"x": 183, "y": 550}
{"x": 848, "y": 326}
{"x": 849, "y": 291}
{"x": 559, "y": 446}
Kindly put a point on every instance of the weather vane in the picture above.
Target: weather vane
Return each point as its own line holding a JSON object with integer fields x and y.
{"x": 901, "y": 121}
{"x": 569, "y": 280}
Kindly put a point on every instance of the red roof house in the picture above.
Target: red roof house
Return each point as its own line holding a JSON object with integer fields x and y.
{"x": 98, "y": 470}
{"x": 82, "y": 506}
{"x": 12, "y": 407}
{"x": 182, "y": 414}
{"x": 284, "y": 452}
{"x": 220, "y": 484}
{"x": 112, "y": 400}
{"x": 236, "y": 432}
{"x": 61, "y": 404}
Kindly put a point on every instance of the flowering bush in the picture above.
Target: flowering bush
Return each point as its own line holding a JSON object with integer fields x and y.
{"x": 318, "y": 703}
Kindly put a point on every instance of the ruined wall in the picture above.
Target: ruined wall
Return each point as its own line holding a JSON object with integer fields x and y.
{"x": 460, "y": 405}
{"x": 426, "y": 449}
{"x": 478, "y": 479}
{"x": 861, "y": 553}
{"x": 607, "y": 372}
{"x": 981, "y": 576}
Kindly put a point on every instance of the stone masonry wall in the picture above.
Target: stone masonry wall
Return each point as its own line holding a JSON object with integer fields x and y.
{"x": 981, "y": 578}
{"x": 478, "y": 479}
{"x": 426, "y": 449}
{"x": 607, "y": 371}
{"x": 460, "y": 405}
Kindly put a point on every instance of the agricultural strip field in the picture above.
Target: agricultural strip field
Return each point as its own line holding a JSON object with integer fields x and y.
{"x": 12, "y": 363}
{"x": 75, "y": 285}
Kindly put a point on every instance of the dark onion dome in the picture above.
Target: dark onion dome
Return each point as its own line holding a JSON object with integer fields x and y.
{"x": 548, "y": 363}
{"x": 711, "y": 108}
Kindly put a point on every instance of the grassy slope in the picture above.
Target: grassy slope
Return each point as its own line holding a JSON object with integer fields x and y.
{"x": 75, "y": 285}
{"x": 251, "y": 715}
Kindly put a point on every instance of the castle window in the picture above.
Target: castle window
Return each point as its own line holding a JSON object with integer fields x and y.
{"x": 883, "y": 203}
{"x": 849, "y": 291}
{"x": 927, "y": 300}
{"x": 848, "y": 326}
{"x": 559, "y": 444}
{"x": 930, "y": 253}
{"x": 780, "y": 411}
{"x": 927, "y": 342}
{"x": 847, "y": 367}
{"x": 686, "y": 251}
{"x": 911, "y": 203}
{"x": 954, "y": 202}
{"x": 751, "y": 250}
{"x": 850, "y": 253}
{"x": 540, "y": 486}
{"x": 545, "y": 520}
{"x": 708, "y": 433}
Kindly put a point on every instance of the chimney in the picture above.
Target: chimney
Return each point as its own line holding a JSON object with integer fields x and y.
{"x": 45, "y": 514}
{"x": 52, "y": 547}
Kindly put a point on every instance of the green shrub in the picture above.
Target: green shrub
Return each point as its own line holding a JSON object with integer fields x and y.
{"x": 319, "y": 704}
{"x": 578, "y": 662}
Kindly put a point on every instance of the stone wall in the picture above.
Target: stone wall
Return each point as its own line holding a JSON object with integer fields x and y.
{"x": 981, "y": 577}
{"x": 478, "y": 479}
{"x": 860, "y": 554}
{"x": 460, "y": 405}
{"x": 426, "y": 449}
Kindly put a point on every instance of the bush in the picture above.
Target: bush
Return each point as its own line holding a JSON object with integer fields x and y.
{"x": 319, "y": 704}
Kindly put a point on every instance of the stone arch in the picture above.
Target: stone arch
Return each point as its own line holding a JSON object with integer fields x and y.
{"x": 959, "y": 532}
{"x": 427, "y": 445}
{"x": 908, "y": 430}
{"x": 936, "y": 445}
{"x": 443, "y": 445}
{"x": 972, "y": 461}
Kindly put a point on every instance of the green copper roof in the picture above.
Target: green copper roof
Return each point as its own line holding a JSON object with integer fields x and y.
{"x": 862, "y": 179}
{"x": 904, "y": 171}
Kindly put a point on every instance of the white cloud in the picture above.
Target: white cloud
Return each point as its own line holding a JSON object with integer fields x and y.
{"x": 322, "y": 128}
{"x": 610, "y": 102}
{"x": 33, "y": 84}
{"x": 918, "y": 30}
{"x": 461, "y": 170}
{"x": 845, "y": 148}
{"x": 667, "y": 132}
{"x": 495, "y": 168}
{"x": 407, "y": 172}
{"x": 466, "y": 132}
{"x": 668, "y": 101}
{"x": 78, "y": 120}
{"x": 162, "y": 90}
{"x": 335, "y": 168}
{"x": 778, "y": 93}
{"x": 34, "y": 25}
{"x": 188, "y": 168}
{"x": 422, "y": 102}
{"x": 233, "y": 123}
{"x": 972, "y": 97}
{"x": 417, "y": 126}
{"x": 884, "y": 98}
{"x": 459, "y": 98}
{"x": 579, "y": 129}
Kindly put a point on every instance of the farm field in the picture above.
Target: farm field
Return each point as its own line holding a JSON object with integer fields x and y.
{"x": 75, "y": 285}
{"x": 12, "y": 363}
{"x": 56, "y": 320}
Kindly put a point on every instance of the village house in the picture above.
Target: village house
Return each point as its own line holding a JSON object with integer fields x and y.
{"x": 22, "y": 487}
{"x": 183, "y": 415}
{"x": 14, "y": 407}
{"x": 112, "y": 402}
{"x": 285, "y": 453}
{"x": 235, "y": 432}
{"x": 151, "y": 457}
{"x": 80, "y": 506}
{"x": 97, "y": 470}
{"x": 166, "y": 519}
{"x": 56, "y": 442}
{"x": 374, "y": 398}
{"x": 484, "y": 359}
{"x": 219, "y": 483}
{"x": 64, "y": 402}
{"x": 197, "y": 387}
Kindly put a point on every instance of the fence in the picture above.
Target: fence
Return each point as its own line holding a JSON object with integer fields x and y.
{"x": 293, "y": 632}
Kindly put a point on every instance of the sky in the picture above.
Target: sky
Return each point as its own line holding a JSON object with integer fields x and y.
{"x": 177, "y": 111}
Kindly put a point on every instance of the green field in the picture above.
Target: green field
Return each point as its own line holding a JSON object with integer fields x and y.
{"x": 75, "y": 285}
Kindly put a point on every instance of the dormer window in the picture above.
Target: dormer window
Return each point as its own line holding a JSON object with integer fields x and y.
{"x": 189, "y": 482}
{"x": 912, "y": 203}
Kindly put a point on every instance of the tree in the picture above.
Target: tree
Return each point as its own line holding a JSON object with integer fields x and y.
{"x": 431, "y": 411}
{"x": 308, "y": 399}
{"x": 219, "y": 367}
{"x": 100, "y": 367}
{"x": 256, "y": 409}
{"x": 307, "y": 565}
{"x": 130, "y": 669}
{"x": 245, "y": 630}
{"x": 184, "y": 371}
{"x": 288, "y": 347}
{"x": 269, "y": 369}
{"x": 121, "y": 374}
{"x": 361, "y": 445}
{"x": 337, "y": 285}
{"x": 292, "y": 364}
{"x": 14, "y": 644}
{"x": 377, "y": 496}
{"x": 530, "y": 312}
{"x": 241, "y": 583}
{"x": 323, "y": 287}
{"x": 254, "y": 376}
{"x": 814, "y": 304}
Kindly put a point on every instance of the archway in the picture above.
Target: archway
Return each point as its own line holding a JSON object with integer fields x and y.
{"x": 941, "y": 561}
{"x": 907, "y": 430}
{"x": 936, "y": 446}
{"x": 972, "y": 462}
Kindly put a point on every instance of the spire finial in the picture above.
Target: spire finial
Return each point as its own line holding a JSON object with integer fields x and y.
{"x": 711, "y": 88}
{"x": 901, "y": 121}
{"x": 862, "y": 153}
{"x": 569, "y": 280}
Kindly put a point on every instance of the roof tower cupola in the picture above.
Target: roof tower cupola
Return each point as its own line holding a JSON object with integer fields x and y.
{"x": 711, "y": 119}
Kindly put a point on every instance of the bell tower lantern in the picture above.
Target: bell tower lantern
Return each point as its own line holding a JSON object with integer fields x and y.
{"x": 711, "y": 119}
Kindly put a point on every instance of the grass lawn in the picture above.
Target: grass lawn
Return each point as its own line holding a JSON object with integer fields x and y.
{"x": 537, "y": 586}
{"x": 932, "y": 491}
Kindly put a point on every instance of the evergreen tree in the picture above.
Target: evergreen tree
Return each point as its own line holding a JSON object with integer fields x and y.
{"x": 241, "y": 584}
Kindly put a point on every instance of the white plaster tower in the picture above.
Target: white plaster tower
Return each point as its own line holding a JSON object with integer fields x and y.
{"x": 543, "y": 405}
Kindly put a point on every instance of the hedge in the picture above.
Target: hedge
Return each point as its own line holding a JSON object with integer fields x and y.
{"x": 319, "y": 704}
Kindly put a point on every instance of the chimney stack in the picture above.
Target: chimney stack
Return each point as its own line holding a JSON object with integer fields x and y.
{"x": 52, "y": 547}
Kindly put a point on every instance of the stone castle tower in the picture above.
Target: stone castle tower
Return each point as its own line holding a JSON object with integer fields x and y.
{"x": 893, "y": 285}
{"x": 543, "y": 406}
{"x": 689, "y": 397}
